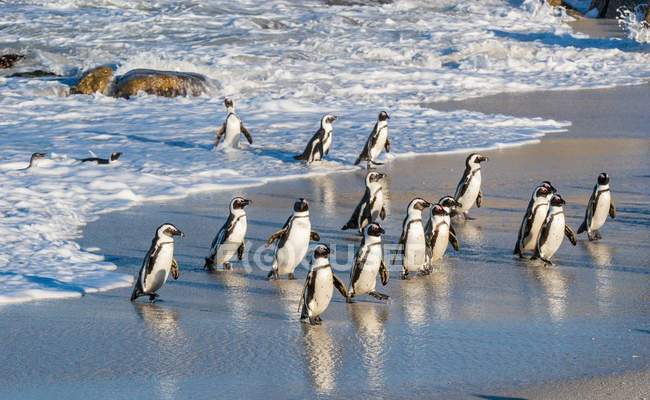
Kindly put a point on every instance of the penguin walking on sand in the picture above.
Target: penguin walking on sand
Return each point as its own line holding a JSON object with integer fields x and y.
{"x": 534, "y": 217}
{"x": 413, "y": 241}
{"x": 377, "y": 141}
{"x": 371, "y": 207}
{"x": 319, "y": 287}
{"x": 468, "y": 191}
{"x": 230, "y": 239}
{"x": 600, "y": 205}
{"x": 439, "y": 234}
{"x": 553, "y": 231}
{"x": 319, "y": 145}
{"x": 158, "y": 263}
{"x": 232, "y": 127}
{"x": 293, "y": 241}
{"x": 369, "y": 261}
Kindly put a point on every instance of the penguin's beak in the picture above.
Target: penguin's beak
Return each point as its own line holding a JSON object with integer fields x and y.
{"x": 247, "y": 202}
{"x": 380, "y": 175}
{"x": 426, "y": 204}
{"x": 458, "y": 203}
{"x": 382, "y": 230}
{"x": 483, "y": 158}
{"x": 178, "y": 232}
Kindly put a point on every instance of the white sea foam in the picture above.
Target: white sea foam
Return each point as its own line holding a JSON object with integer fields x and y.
{"x": 285, "y": 63}
{"x": 633, "y": 21}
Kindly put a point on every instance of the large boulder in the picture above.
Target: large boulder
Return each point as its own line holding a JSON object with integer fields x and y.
{"x": 8, "y": 60}
{"x": 95, "y": 80}
{"x": 608, "y": 8}
{"x": 160, "y": 83}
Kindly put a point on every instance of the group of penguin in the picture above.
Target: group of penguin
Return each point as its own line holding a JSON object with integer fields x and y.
{"x": 541, "y": 232}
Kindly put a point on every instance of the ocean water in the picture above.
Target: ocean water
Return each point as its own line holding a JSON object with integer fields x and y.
{"x": 286, "y": 63}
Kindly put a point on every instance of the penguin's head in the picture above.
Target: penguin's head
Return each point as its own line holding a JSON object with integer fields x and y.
{"x": 542, "y": 191}
{"x": 475, "y": 159}
{"x": 418, "y": 204}
{"x": 238, "y": 203}
{"x": 373, "y": 177}
{"x": 228, "y": 103}
{"x": 321, "y": 251}
{"x": 437, "y": 209}
{"x": 327, "y": 120}
{"x": 383, "y": 116}
{"x": 115, "y": 156}
{"x": 375, "y": 229}
{"x": 557, "y": 200}
{"x": 301, "y": 206}
{"x": 37, "y": 156}
{"x": 449, "y": 202}
{"x": 169, "y": 230}
{"x": 603, "y": 178}
{"x": 548, "y": 186}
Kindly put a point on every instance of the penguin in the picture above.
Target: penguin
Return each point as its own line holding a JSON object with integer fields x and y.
{"x": 468, "y": 191}
{"x": 319, "y": 287}
{"x": 230, "y": 238}
{"x": 368, "y": 261}
{"x": 377, "y": 141}
{"x": 449, "y": 204}
{"x": 319, "y": 145}
{"x": 553, "y": 231}
{"x": 232, "y": 127}
{"x": 533, "y": 219}
{"x": 114, "y": 157}
{"x": 293, "y": 241}
{"x": 439, "y": 234}
{"x": 371, "y": 207}
{"x": 412, "y": 240}
{"x": 158, "y": 263}
{"x": 599, "y": 206}
{"x": 34, "y": 160}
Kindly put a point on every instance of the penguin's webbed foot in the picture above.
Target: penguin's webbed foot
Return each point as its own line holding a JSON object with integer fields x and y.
{"x": 209, "y": 265}
{"x": 273, "y": 275}
{"x": 227, "y": 266}
{"x": 598, "y": 235}
{"x": 291, "y": 276}
{"x": 349, "y": 299}
{"x": 379, "y": 296}
{"x": 403, "y": 275}
{"x": 314, "y": 321}
{"x": 153, "y": 297}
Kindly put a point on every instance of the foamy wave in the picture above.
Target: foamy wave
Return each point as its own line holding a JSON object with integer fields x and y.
{"x": 633, "y": 21}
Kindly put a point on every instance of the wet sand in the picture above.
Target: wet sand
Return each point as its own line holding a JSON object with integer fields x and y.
{"x": 483, "y": 325}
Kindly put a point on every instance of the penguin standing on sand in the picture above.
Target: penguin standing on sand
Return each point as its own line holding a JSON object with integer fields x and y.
{"x": 371, "y": 206}
{"x": 377, "y": 141}
{"x": 600, "y": 205}
{"x": 319, "y": 145}
{"x": 158, "y": 263}
{"x": 533, "y": 219}
{"x": 412, "y": 240}
{"x": 449, "y": 204}
{"x": 468, "y": 191}
{"x": 368, "y": 261}
{"x": 230, "y": 238}
{"x": 232, "y": 127}
{"x": 319, "y": 286}
{"x": 439, "y": 234}
{"x": 293, "y": 241}
{"x": 553, "y": 231}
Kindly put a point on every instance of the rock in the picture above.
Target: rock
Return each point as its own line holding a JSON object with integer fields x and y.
{"x": 160, "y": 83}
{"x": 33, "y": 74}
{"x": 94, "y": 80}
{"x": 608, "y": 8}
{"x": 647, "y": 15}
{"x": 8, "y": 60}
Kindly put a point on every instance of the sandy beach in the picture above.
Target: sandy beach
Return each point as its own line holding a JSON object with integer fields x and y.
{"x": 483, "y": 325}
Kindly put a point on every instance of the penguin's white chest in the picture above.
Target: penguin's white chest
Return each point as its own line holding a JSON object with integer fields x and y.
{"x": 323, "y": 289}
{"x": 530, "y": 241}
{"x": 382, "y": 136}
{"x": 229, "y": 247}
{"x": 441, "y": 243}
{"x": 296, "y": 246}
{"x": 555, "y": 237}
{"x": 469, "y": 198}
{"x": 377, "y": 205}
{"x": 415, "y": 247}
{"x": 367, "y": 280}
{"x": 327, "y": 143}
{"x": 160, "y": 270}
{"x": 233, "y": 131}
{"x": 602, "y": 210}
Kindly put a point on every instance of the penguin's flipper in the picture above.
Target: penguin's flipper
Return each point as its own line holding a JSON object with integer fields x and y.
{"x": 583, "y": 227}
{"x": 612, "y": 209}
{"x": 314, "y": 236}
{"x": 387, "y": 145}
{"x": 277, "y": 235}
{"x": 175, "y": 269}
{"x": 240, "y": 251}
{"x": 302, "y": 305}
{"x": 479, "y": 199}
{"x": 463, "y": 184}
{"x": 340, "y": 286}
{"x": 454, "y": 241}
{"x": 353, "y": 222}
{"x": 382, "y": 213}
{"x": 383, "y": 273}
{"x": 219, "y": 134}
{"x": 137, "y": 289}
{"x": 311, "y": 146}
{"x": 570, "y": 234}
{"x": 245, "y": 132}
{"x": 591, "y": 207}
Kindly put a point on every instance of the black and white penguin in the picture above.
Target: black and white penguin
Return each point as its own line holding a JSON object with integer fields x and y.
{"x": 158, "y": 263}
{"x": 553, "y": 231}
{"x": 319, "y": 286}
{"x": 34, "y": 160}
{"x": 449, "y": 204}
{"x": 371, "y": 206}
{"x": 293, "y": 241}
{"x": 377, "y": 141}
{"x": 600, "y": 205}
{"x": 114, "y": 157}
{"x": 230, "y": 239}
{"x": 412, "y": 239}
{"x": 319, "y": 145}
{"x": 533, "y": 219}
{"x": 368, "y": 261}
{"x": 232, "y": 127}
{"x": 468, "y": 191}
{"x": 439, "y": 234}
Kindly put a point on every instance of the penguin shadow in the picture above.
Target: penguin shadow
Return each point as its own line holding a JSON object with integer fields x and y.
{"x": 276, "y": 153}
{"x": 172, "y": 143}
{"x": 493, "y": 397}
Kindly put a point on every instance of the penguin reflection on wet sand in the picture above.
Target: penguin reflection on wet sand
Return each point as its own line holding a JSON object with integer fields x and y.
{"x": 377, "y": 141}
{"x": 533, "y": 219}
{"x": 412, "y": 242}
{"x": 599, "y": 207}
{"x": 319, "y": 287}
{"x": 371, "y": 207}
{"x": 319, "y": 145}
{"x": 293, "y": 241}
{"x": 232, "y": 128}
{"x": 158, "y": 263}
{"x": 553, "y": 231}
{"x": 368, "y": 262}
{"x": 468, "y": 191}
{"x": 230, "y": 239}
